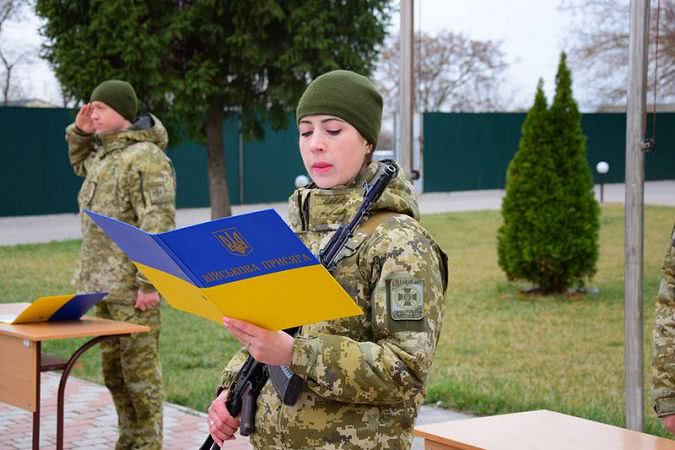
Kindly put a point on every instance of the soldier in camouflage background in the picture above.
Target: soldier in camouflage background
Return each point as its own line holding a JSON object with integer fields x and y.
{"x": 365, "y": 376}
{"x": 127, "y": 176}
{"x": 663, "y": 378}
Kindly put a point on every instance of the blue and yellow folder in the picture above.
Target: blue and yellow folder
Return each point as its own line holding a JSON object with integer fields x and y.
{"x": 55, "y": 308}
{"x": 250, "y": 267}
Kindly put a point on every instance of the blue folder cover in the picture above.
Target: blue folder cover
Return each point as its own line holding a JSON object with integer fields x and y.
{"x": 200, "y": 253}
{"x": 77, "y": 306}
{"x": 54, "y": 308}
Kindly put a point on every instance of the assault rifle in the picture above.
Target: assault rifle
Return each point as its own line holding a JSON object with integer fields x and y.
{"x": 244, "y": 391}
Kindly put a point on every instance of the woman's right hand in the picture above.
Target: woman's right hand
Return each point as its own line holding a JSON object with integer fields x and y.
{"x": 222, "y": 425}
{"x": 83, "y": 119}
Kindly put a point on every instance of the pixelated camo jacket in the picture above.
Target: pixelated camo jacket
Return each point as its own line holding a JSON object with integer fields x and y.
{"x": 364, "y": 376}
{"x": 663, "y": 367}
{"x": 127, "y": 176}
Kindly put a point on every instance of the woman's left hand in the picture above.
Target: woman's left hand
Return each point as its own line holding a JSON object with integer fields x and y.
{"x": 146, "y": 300}
{"x": 267, "y": 347}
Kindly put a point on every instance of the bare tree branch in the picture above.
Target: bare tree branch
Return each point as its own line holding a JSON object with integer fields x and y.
{"x": 10, "y": 9}
{"x": 452, "y": 73}
{"x": 599, "y": 47}
{"x": 10, "y": 60}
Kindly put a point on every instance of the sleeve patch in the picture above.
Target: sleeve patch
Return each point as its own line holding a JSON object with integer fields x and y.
{"x": 406, "y": 299}
{"x": 159, "y": 194}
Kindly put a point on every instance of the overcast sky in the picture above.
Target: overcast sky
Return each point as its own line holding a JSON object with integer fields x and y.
{"x": 531, "y": 31}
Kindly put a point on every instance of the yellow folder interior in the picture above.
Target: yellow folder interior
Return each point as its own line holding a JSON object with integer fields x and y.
{"x": 274, "y": 301}
{"x": 42, "y": 309}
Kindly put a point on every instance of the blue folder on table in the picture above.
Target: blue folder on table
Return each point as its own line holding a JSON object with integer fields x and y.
{"x": 55, "y": 308}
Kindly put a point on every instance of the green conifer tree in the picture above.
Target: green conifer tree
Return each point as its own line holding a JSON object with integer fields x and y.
{"x": 551, "y": 217}
{"x": 579, "y": 221}
{"x": 194, "y": 62}
{"x": 529, "y": 207}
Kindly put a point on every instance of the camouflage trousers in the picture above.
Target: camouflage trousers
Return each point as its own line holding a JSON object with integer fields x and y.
{"x": 132, "y": 373}
{"x": 402, "y": 444}
{"x": 341, "y": 443}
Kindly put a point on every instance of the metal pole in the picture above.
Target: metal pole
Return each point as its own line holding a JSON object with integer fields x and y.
{"x": 406, "y": 84}
{"x": 240, "y": 149}
{"x": 38, "y": 405}
{"x": 635, "y": 130}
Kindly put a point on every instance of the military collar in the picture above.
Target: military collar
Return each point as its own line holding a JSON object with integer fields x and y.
{"x": 327, "y": 209}
{"x": 112, "y": 141}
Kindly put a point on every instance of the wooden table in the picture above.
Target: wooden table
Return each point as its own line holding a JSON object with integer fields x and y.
{"x": 535, "y": 430}
{"x": 22, "y": 359}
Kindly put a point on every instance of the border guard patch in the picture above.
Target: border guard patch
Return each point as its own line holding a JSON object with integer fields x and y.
{"x": 406, "y": 299}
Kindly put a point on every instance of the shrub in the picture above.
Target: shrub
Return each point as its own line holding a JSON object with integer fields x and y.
{"x": 579, "y": 221}
{"x": 551, "y": 218}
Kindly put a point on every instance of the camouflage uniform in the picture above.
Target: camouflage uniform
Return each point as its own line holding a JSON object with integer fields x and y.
{"x": 365, "y": 375}
{"x": 663, "y": 369}
{"x": 128, "y": 177}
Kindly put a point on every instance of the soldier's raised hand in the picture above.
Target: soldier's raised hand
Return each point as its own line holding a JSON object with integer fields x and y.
{"x": 83, "y": 120}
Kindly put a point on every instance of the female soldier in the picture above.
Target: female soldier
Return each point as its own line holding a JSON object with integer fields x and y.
{"x": 365, "y": 376}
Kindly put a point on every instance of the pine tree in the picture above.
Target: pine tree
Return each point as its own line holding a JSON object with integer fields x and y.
{"x": 579, "y": 222}
{"x": 551, "y": 217}
{"x": 529, "y": 207}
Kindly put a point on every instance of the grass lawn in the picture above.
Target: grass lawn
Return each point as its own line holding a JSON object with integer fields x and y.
{"x": 500, "y": 350}
{"x": 503, "y": 351}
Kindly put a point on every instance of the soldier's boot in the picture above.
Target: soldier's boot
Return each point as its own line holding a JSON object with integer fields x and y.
{"x": 125, "y": 423}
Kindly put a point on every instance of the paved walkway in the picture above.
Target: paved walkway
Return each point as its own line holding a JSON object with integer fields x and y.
{"x": 90, "y": 420}
{"x": 91, "y": 423}
{"x": 57, "y": 227}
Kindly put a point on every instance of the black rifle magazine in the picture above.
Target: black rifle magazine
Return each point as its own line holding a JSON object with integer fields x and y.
{"x": 287, "y": 384}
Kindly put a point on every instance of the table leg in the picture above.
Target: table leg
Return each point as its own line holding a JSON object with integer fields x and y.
{"x": 36, "y": 413}
{"x": 62, "y": 385}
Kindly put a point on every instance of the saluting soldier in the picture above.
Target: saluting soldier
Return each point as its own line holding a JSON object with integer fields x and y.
{"x": 663, "y": 366}
{"x": 128, "y": 176}
{"x": 365, "y": 376}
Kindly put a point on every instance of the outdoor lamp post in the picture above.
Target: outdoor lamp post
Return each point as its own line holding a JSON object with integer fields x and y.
{"x": 602, "y": 168}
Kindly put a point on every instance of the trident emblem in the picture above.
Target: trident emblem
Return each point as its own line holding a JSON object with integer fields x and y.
{"x": 233, "y": 241}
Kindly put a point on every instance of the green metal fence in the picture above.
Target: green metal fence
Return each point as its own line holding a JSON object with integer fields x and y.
{"x": 466, "y": 151}
{"x": 269, "y": 166}
{"x": 462, "y": 151}
{"x": 36, "y": 178}
{"x": 35, "y": 175}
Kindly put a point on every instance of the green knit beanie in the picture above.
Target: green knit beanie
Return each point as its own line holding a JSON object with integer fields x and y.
{"x": 347, "y": 95}
{"x": 119, "y": 95}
